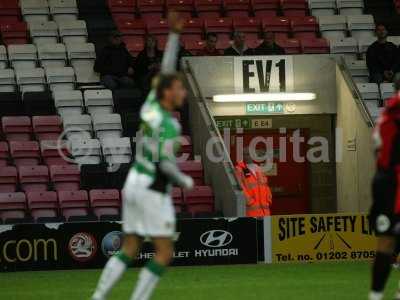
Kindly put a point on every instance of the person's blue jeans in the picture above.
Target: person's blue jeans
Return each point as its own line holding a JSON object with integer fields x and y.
{"x": 114, "y": 82}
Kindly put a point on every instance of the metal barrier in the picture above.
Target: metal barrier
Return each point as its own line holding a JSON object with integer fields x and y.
{"x": 356, "y": 94}
{"x": 220, "y": 175}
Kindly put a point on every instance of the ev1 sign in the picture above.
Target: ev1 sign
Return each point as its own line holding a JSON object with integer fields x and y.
{"x": 263, "y": 74}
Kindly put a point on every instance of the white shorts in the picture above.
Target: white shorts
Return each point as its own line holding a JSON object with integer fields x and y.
{"x": 146, "y": 212}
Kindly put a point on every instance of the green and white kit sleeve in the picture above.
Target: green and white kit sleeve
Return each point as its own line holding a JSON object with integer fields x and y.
{"x": 170, "y": 57}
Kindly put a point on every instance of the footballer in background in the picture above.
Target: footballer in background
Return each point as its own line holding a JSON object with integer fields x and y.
{"x": 147, "y": 205}
{"x": 385, "y": 212}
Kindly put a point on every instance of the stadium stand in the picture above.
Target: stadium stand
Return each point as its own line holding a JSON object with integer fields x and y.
{"x": 47, "y": 84}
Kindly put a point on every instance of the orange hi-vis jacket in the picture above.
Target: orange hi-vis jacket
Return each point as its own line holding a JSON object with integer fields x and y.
{"x": 256, "y": 189}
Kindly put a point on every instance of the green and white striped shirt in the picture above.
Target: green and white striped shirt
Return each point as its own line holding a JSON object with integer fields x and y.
{"x": 160, "y": 141}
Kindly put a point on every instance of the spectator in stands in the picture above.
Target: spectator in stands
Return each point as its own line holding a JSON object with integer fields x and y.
{"x": 269, "y": 46}
{"x": 383, "y": 58}
{"x": 211, "y": 44}
{"x": 115, "y": 64}
{"x": 148, "y": 63}
{"x": 238, "y": 47}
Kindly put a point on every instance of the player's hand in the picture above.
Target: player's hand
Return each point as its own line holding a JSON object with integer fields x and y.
{"x": 188, "y": 183}
{"x": 175, "y": 21}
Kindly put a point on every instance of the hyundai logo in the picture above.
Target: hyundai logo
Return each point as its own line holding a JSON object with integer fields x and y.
{"x": 216, "y": 238}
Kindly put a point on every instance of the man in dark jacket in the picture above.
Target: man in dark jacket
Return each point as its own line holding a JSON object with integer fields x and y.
{"x": 383, "y": 59}
{"x": 115, "y": 64}
{"x": 269, "y": 46}
{"x": 210, "y": 47}
{"x": 238, "y": 47}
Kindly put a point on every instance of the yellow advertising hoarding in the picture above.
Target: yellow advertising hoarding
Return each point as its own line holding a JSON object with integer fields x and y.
{"x": 323, "y": 237}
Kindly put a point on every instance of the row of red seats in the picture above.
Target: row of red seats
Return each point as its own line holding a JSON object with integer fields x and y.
{"x": 49, "y": 204}
{"x": 149, "y": 9}
{"x": 24, "y": 128}
{"x": 299, "y": 27}
{"x": 9, "y": 11}
{"x": 195, "y": 47}
{"x": 80, "y": 203}
{"x": 27, "y": 176}
{"x": 31, "y": 153}
{"x": 200, "y": 199}
{"x": 39, "y": 178}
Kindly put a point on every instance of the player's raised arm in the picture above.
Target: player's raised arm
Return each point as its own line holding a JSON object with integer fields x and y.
{"x": 168, "y": 65}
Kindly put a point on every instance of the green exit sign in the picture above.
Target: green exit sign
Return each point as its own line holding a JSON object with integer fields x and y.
{"x": 233, "y": 123}
{"x": 264, "y": 108}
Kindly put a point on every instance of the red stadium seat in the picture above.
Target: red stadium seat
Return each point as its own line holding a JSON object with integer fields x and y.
{"x": 194, "y": 169}
{"x": 184, "y": 7}
{"x": 151, "y": 9}
{"x": 186, "y": 146}
{"x": 265, "y": 8}
{"x": 222, "y": 44}
{"x": 220, "y": 26}
{"x": 279, "y": 25}
{"x": 208, "y": 8}
{"x": 14, "y": 33}
{"x": 129, "y": 26}
{"x": 121, "y": 7}
{"x": 134, "y": 44}
{"x": 8, "y": 179}
{"x": 73, "y": 203}
{"x": 65, "y": 177}
{"x": 237, "y": 8}
{"x": 54, "y": 152}
{"x": 105, "y": 202}
{"x": 177, "y": 198}
{"x": 291, "y": 46}
{"x": 12, "y": 206}
{"x": 315, "y": 46}
{"x": 33, "y": 178}
{"x": 47, "y": 127}
{"x": 9, "y": 11}
{"x": 17, "y": 128}
{"x": 43, "y": 204}
{"x": 304, "y": 27}
{"x": 294, "y": 7}
{"x": 250, "y": 26}
{"x": 194, "y": 47}
{"x": 25, "y": 153}
{"x": 200, "y": 199}
{"x": 4, "y": 154}
{"x": 157, "y": 27}
{"x": 193, "y": 29}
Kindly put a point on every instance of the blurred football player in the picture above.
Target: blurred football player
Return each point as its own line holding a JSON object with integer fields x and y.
{"x": 385, "y": 212}
{"x": 147, "y": 205}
